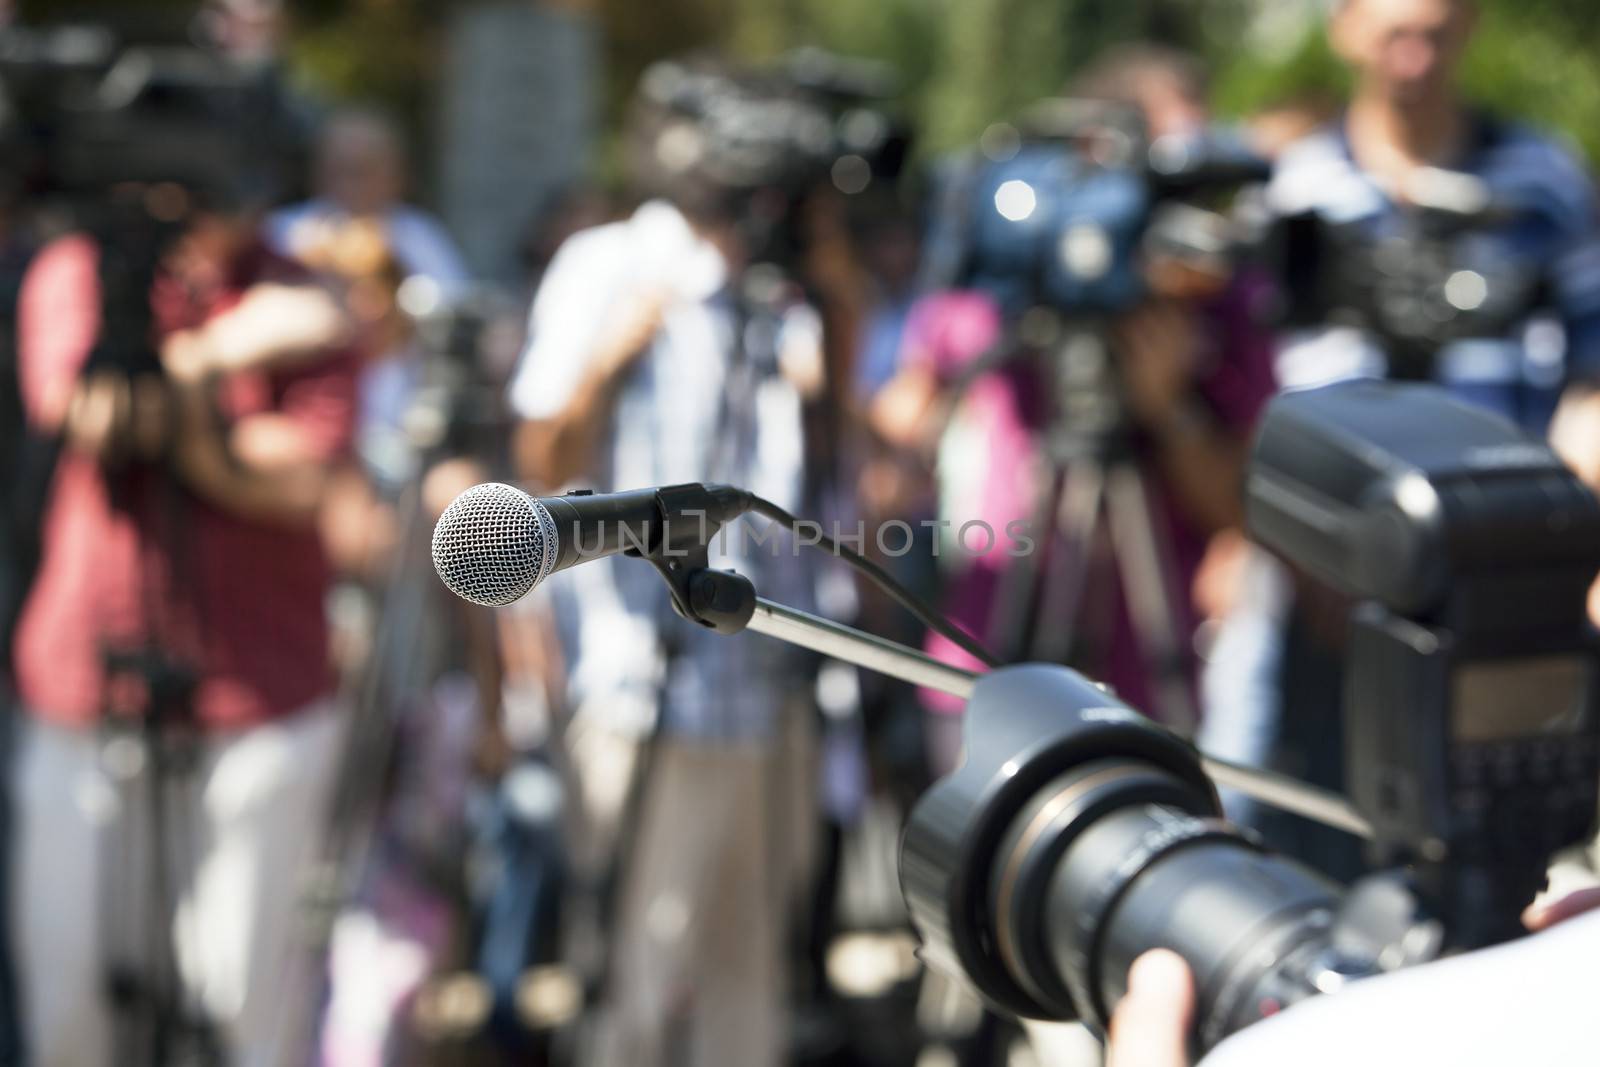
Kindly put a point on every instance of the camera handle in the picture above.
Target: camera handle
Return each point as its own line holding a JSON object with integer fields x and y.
{"x": 895, "y": 660}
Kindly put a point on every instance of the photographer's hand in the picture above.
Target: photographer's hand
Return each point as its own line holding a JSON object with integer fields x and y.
{"x": 274, "y": 326}
{"x": 262, "y": 467}
{"x": 1543, "y": 914}
{"x": 1150, "y": 1027}
{"x": 1575, "y": 435}
{"x": 115, "y": 418}
{"x": 97, "y": 415}
{"x": 1151, "y": 1023}
{"x": 630, "y": 334}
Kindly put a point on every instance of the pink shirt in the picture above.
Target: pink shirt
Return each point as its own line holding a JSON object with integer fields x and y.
{"x": 994, "y": 434}
{"x": 129, "y": 562}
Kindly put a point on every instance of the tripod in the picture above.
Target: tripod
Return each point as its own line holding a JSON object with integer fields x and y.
{"x": 1093, "y": 484}
{"x": 369, "y": 839}
{"x": 156, "y": 763}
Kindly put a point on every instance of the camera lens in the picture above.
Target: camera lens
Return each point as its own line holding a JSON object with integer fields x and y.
{"x": 1076, "y": 835}
{"x": 1116, "y": 857}
{"x": 1035, "y": 845}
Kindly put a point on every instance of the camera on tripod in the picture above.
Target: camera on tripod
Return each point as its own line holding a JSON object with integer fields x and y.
{"x": 1065, "y": 212}
{"x": 1445, "y": 270}
{"x": 1065, "y": 230}
{"x": 86, "y": 108}
{"x": 1078, "y": 835}
{"x": 126, "y": 136}
{"x": 813, "y": 116}
{"x": 465, "y": 346}
{"x": 755, "y": 143}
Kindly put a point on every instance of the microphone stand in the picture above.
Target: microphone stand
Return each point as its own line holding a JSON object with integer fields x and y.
{"x": 727, "y": 602}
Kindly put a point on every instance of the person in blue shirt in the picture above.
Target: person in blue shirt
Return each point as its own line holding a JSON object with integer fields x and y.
{"x": 360, "y": 174}
{"x": 1407, "y": 134}
{"x": 1408, "y": 138}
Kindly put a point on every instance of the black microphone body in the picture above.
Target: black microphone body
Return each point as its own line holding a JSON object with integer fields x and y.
{"x": 495, "y": 542}
{"x": 639, "y": 521}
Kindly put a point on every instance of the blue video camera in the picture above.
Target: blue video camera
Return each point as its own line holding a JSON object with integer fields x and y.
{"x": 1065, "y": 215}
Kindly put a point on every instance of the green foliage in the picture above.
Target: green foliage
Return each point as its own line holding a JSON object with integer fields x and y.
{"x": 371, "y": 52}
{"x": 964, "y": 63}
{"x": 1307, "y": 71}
{"x": 1536, "y": 61}
{"x": 1532, "y": 60}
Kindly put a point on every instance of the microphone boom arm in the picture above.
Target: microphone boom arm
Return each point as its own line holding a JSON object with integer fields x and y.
{"x": 895, "y": 660}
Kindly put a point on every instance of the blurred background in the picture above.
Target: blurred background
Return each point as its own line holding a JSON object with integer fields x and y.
{"x": 959, "y": 67}
{"x": 993, "y": 289}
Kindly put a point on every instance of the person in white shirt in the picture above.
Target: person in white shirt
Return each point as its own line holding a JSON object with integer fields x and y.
{"x": 648, "y": 365}
{"x": 1526, "y": 1002}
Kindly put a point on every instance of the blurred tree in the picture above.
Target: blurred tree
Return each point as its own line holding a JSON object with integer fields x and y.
{"x": 964, "y": 63}
{"x": 376, "y": 50}
{"x": 1531, "y": 60}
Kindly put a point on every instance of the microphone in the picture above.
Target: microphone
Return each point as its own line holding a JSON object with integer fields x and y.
{"x": 494, "y": 542}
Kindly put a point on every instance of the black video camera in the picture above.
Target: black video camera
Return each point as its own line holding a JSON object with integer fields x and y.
{"x": 1442, "y": 272}
{"x": 811, "y": 117}
{"x": 84, "y": 108}
{"x": 1077, "y": 835}
{"x": 126, "y": 135}
{"x": 469, "y": 338}
{"x": 751, "y": 145}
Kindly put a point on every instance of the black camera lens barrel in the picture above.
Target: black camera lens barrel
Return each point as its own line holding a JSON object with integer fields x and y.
{"x": 1025, "y": 727}
{"x": 1251, "y": 925}
{"x": 1116, "y": 857}
{"x": 1077, "y": 835}
{"x": 1048, "y": 825}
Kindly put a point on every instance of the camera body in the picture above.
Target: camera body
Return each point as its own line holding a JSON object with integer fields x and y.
{"x": 127, "y": 133}
{"x": 1472, "y": 732}
{"x": 755, "y": 143}
{"x": 1065, "y": 214}
{"x": 467, "y": 337}
{"x": 1441, "y": 271}
{"x": 1076, "y": 834}
{"x": 85, "y": 108}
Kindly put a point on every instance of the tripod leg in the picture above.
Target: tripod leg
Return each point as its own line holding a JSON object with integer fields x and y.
{"x": 1061, "y": 600}
{"x": 1147, "y": 580}
{"x": 394, "y": 668}
{"x": 1011, "y": 627}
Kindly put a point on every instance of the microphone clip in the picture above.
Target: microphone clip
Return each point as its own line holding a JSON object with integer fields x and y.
{"x": 723, "y": 601}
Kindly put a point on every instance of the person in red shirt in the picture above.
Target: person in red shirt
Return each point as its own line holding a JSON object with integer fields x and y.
{"x": 181, "y": 577}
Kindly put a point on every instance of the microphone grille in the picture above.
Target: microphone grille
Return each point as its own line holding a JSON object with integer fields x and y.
{"x": 493, "y": 544}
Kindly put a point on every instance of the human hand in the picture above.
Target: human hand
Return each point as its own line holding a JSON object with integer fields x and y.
{"x": 800, "y": 355}
{"x": 1543, "y": 914}
{"x": 1150, "y": 1027}
{"x": 1156, "y": 350}
{"x": 1575, "y": 436}
{"x": 448, "y": 479}
{"x": 908, "y": 412}
{"x": 1215, "y": 588}
{"x": 1151, "y": 1023}
{"x": 891, "y": 483}
{"x": 273, "y": 326}
{"x": 98, "y": 415}
{"x": 187, "y": 357}
{"x": 113, "y": 417}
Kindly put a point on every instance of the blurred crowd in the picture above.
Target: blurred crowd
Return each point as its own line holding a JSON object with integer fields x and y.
{"x": 276, "y": 798}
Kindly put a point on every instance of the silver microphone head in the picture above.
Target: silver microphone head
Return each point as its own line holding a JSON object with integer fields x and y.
{"x": 493, "y": 544}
